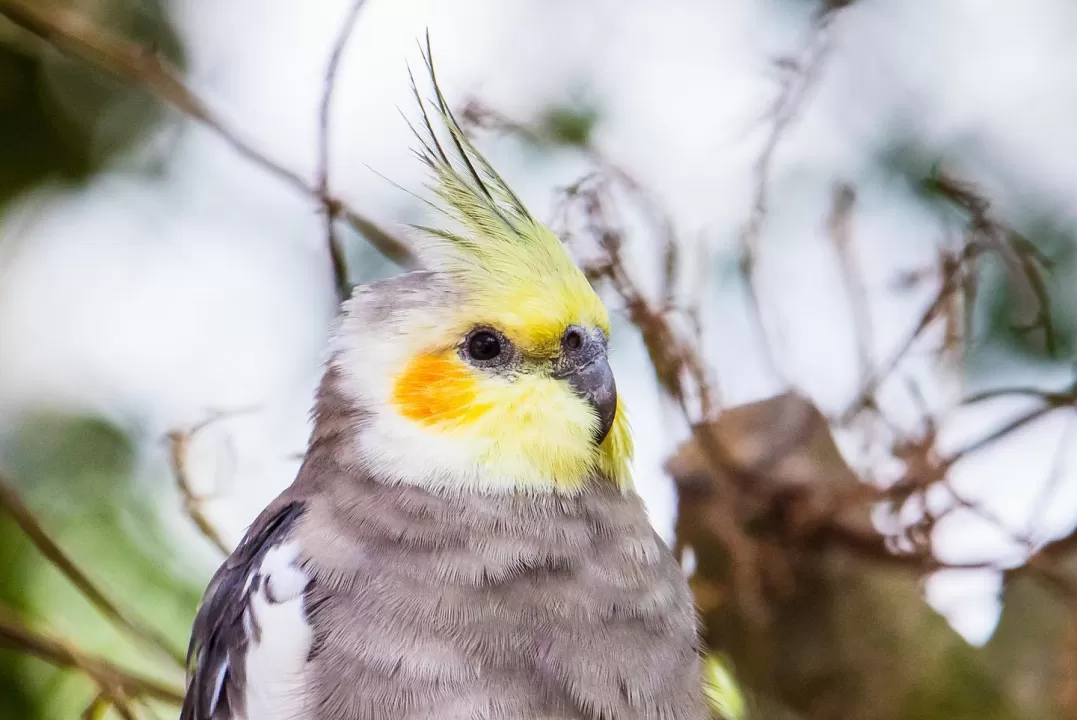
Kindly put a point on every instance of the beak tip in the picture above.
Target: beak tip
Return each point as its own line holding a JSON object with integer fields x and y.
{"x": 606, "y": 415}
{"x": 593, "y": 382}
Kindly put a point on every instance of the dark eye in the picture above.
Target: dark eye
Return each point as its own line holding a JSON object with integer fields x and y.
{"x": 484, "y": 345}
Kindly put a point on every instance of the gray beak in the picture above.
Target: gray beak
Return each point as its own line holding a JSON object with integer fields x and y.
{"x": 594, "y": 383}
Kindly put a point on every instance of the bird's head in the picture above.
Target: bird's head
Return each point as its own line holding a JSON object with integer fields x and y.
{"x": 489, "y": 370}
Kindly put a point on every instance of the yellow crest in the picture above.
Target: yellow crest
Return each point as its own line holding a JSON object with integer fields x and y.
{"x": 512, "y": 265}
{"x": 516, "y": 275}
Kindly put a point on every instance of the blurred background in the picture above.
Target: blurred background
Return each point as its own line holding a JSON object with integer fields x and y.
{"x": 837, "y": 238}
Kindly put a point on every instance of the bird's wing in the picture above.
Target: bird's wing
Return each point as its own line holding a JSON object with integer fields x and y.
{"x": 251, "y": 639}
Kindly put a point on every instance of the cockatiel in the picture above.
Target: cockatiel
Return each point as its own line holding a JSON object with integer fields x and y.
{"x": 462, "y": 539}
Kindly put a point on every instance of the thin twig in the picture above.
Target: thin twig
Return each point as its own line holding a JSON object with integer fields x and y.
{"x": 112, "y": 680}
{"x": 801, "y": 74}
{"x": 1055, "y": 397}
{"x": 1001, "y": 433}
{"x": 24, "y": 518}
{"x": 73, "y": 34}
{"x": 178, "y": 445}
{"x": 952, "y": 269}
{"x": 841, "y": 235}
{"x": 336, "y": 252}
{"x": 1024, "y": 264}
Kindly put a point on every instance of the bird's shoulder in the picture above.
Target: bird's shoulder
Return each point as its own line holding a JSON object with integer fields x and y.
{"x": 251, "y": 638}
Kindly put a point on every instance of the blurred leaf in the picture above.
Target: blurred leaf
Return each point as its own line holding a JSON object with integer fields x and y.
{"x": 15, "y": 568}
{"x": 60, "y": 118}
{"x": 571, "y": 125}
{"x": 721, "y": 690}
{"x": 77, "y": 474}
{"x": 961, "y": 689}
{"x": 69, "y": 449}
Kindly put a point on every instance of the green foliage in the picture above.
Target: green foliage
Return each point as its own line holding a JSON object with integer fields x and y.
{"x": 964, "y": 690}
{"x": 1004, "y": 295}
{"x": 571, "y": 125}
{"x": 78, "y": 474}
{"x": 15, "y": 560}
{"x": 69, "y": 449}
{"x": 62, "y": 119}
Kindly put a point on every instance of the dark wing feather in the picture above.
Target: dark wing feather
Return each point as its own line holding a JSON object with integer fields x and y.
{"x": 220, "y": 636}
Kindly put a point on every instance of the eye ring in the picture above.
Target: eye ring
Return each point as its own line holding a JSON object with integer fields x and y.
{"x": 484, "y": 346}
{"x": 573, "y": 339}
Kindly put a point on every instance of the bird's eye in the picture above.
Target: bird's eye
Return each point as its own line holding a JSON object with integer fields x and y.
{"x": 484, "y": 345}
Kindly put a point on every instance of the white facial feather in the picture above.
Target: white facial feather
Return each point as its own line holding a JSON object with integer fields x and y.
{"x": 369, "y": 353}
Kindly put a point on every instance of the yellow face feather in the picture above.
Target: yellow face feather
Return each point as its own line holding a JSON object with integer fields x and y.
{"x": 514, "y": 275}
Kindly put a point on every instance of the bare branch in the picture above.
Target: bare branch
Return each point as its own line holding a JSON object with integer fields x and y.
{"x": 1021, "y": 260}
{"x": 1052, "y": 397}
{"x": 134, "y": 64}
{"x": 178, "y": 443}
{"x": 1002, "y": 432}
{"x": 24, "y": 518}
{"x": 952, "y": 271}
{"x": 336, "y": 252}
{"x": 115, "y": 683}
{"x": 801, "y": 73}
{"x": 841, "y": 235}
{"x": 681, "y": 370}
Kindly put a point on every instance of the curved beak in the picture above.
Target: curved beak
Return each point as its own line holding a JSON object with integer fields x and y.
{"x": 594, "y": 382}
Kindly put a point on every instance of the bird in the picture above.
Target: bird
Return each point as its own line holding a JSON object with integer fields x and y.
{"x": 463, "y": 539}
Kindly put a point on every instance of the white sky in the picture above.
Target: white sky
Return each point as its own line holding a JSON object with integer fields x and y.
{"x": 203, "y": 290}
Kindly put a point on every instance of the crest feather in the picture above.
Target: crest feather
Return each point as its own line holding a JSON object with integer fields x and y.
{"x": 497, "y": 233}
{"x": 465, "y": 180}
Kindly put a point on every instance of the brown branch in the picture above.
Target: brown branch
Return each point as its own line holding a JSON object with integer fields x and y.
{"x": 680, "y": 368}
{"x": 952, "y": 269}
{"x": 801, "y": 74}
{"x": 114, "y": 682}
{"x": 24, "y": 518}
{"x": 74, "y": 35}
{"x": 841, "y": 235}
{"x": 989, "y": 516}
{"x": 1001, "y": 432}
{"x": 1053, "y": 397}
{"x": 477, "y": 115}
{"x": 178, "y": 445}
{"x": 336, "y": 252}
{"x": 681, "y": 371}
{"x": 873, "y": 546}
{"x": 984, "y": 234}
{"x": 1022, "y": 261}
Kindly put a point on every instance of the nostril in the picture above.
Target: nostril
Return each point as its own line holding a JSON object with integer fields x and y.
{"x": 573, "y": 339}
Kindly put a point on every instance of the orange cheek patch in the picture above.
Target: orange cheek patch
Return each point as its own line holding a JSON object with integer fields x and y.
{"x": 437, "y": 389}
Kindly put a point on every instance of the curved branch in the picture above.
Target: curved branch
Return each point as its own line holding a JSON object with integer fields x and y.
{"x": 111, "y": 679}
{"x": 24, "y": 518}
{"x": 134, "y": 64}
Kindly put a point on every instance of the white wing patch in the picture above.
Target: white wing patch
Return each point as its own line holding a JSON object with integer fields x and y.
{"x": 276, "y": 660}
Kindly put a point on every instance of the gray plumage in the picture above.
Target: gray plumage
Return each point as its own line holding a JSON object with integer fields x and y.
{"x": 448, "y": 603}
